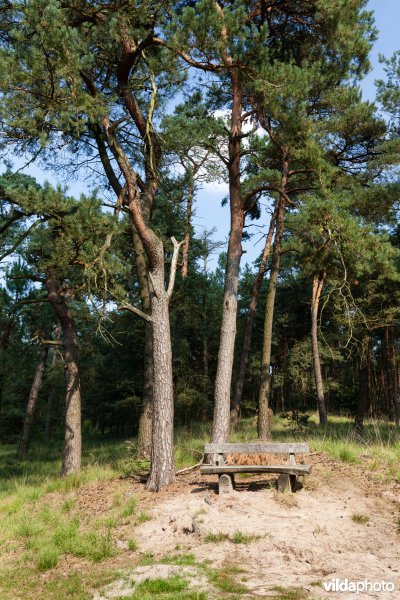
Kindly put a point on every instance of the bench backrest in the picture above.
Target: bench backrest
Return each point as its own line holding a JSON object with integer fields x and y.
{"x": 255, "y": 448}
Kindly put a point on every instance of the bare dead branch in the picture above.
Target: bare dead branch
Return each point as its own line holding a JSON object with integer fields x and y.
{"x": 174, "y": 264}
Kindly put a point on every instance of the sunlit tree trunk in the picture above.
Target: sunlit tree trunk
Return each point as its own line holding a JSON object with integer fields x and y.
{"x": 71, "y": 458}
{"x": 223, "y": 380}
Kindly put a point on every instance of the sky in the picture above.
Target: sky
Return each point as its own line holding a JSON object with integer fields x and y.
{"x": 208, "y": 210}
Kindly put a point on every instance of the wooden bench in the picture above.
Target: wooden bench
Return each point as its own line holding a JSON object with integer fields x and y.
{"x": 287, "y": 473}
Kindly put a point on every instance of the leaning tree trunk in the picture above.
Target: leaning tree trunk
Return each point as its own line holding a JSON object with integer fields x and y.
{"x": 220, "y": 430}
{"x": 255, "y": 291}
{"x": 265, "y": 377}
{"x": 147, "y": 198}
{"x": 71, "y": 459}
{"x": 32, "y": 401}
{"x": 318, "y": 284}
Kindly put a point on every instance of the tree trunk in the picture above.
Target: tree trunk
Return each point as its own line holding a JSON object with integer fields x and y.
{"x": 255, "y": 291}
{"x": 265, "y": 377}
{"x": 147, "y": 199}
{"x": 146, "y": 416}
{"x": 318, "y": 284}
{"x": 162, "y": 456}
{"x": 51, "y": 393}
{"x": 223, "y": 380}
{"x": 4, "y": 340}
{"x": 363, "y": 387}
{"x": 162, "y": 471}
{"x": 391, "y": 377}
{"x": 396, "y": 398}
{"x": 71, "y": 459}
{"x": 32, "y": 401}
{"x": 186, "y": 243}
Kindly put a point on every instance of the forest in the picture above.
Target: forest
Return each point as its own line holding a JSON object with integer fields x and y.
{"x": 118, "y": 316}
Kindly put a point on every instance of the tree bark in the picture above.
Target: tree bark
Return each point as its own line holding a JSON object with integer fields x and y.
{"x": 186, "y": 243}
{"x": 162, "y": 470}
{"x": 265, "y": 376}
{"x": 4, "y": 341}
{"x": 363, "y": 396}
{"x": 71, "y": 459}
{"x": 32, "y": 401}
{"x": 255, "y": 291}
{"x": 223, "y": 380}
{"x": 318, "y": 284}
{"x": 392, "y": 390}
{"x": 51, "y": 394}
{"x": 146, "y": 416}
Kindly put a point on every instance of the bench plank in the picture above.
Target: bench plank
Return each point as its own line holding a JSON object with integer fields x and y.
{"x": 255, "y": 448}
{"x": 289, "y": 469}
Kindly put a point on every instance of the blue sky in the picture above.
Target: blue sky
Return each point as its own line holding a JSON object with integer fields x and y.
{"x": 208, "y": 211}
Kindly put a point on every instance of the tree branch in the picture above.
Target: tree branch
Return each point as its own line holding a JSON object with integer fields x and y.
{"x": 28, "y": 276}
{"x": 135, "y": 311}
{"x": 174, "y": 264}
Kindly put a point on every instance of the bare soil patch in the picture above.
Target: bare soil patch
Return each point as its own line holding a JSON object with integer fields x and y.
{"x": 291, "y": 541}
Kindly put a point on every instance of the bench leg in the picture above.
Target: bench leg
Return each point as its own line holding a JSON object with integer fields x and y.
{"x": 226, "y": 484}
{"x": 286, "y": 482}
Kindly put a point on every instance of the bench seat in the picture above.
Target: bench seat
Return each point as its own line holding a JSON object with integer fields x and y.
{"x": 289, "y": 469}
{"x": 287, "y": 474}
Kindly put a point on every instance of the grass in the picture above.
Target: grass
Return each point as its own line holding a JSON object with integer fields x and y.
{"x": 244, "y": 538}
{"x": 216, "y": 537}
{"x": 283, "y": 593}
{"x": 238, "y": 537}
{"x": 142, "y": 517}
{"x": 132, "y": 545}
{"x": 359, "y": 518}
{"x": 157, "y": 587}
{"x": 129, "y": 507}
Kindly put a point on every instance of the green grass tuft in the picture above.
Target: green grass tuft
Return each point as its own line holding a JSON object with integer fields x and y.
{"x": 216, "y": 537}
{"x": 47, "y": 558}
{"x": 142, "y": 517}
{"x": 244, "y": 538}
{"x": 359, "y": 518}
{"x": 289, "y": 593}
{"x": 129, "y": 508}
{"x": 132, "y": 545}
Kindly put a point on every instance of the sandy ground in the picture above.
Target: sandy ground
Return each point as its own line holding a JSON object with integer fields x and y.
{"x": 303, "y": 539}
